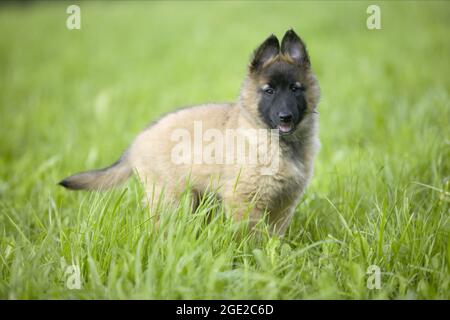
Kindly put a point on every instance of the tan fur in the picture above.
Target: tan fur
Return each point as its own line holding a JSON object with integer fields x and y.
{"x": 237, "y": 185}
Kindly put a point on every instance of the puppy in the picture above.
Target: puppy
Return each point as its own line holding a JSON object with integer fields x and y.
{"x": 275, "y": 119}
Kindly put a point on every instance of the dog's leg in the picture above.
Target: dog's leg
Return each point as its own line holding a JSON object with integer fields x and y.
{"x": 157, "y": 196}
{"x": 280, "y": 222}
{"x": 160, "y": 197}
{"x": 239, "y": 208}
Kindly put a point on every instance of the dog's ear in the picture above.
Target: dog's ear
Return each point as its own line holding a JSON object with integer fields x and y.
{"x": 294, "y": 47}
{"x": 266, "y": 51}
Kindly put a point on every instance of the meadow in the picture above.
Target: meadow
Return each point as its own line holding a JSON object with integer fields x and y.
{"x": 72, "y": 100}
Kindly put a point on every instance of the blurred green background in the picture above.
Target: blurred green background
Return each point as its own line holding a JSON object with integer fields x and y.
{"x": 74, "y": 99}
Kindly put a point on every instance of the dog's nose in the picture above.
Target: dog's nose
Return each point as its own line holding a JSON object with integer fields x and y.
{"x": 285, "y": 117}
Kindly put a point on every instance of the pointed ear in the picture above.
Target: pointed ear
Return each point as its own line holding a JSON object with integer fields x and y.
{"x": 293, "y": 46}
{"x": 266, "y": 51}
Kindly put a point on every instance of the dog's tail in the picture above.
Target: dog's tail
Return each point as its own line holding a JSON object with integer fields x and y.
{"x": 101, "y": 179}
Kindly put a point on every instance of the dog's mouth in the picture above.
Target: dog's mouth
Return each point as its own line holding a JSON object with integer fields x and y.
{"x": 286, "y": 128}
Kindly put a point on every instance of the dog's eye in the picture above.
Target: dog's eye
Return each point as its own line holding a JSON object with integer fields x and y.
{"x": 297, "y": 87}
{"x": 269, "y": 90}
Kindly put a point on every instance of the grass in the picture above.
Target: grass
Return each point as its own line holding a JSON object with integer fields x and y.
{"x": 73, "y": 100}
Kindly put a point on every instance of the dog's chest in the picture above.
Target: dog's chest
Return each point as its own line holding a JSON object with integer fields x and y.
{"x": 283, "y": 187}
